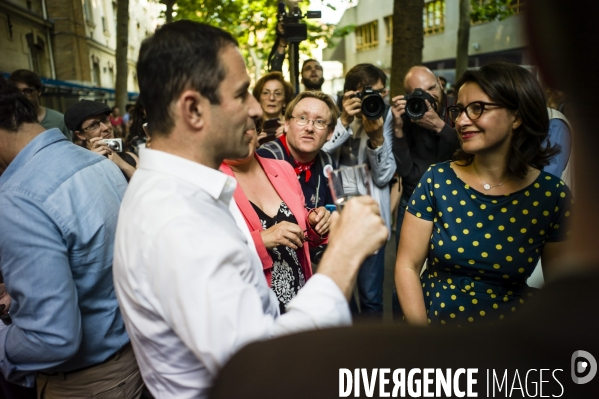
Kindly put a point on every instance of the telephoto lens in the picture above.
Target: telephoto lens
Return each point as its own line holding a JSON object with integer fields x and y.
{"x": 416, "y": 105}
{"x": 373, "y": 105}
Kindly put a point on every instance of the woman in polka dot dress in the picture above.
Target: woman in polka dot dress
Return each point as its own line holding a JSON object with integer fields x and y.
{"x": 483, "y": 220}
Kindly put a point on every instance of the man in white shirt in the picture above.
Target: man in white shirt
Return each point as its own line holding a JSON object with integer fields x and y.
{"x": 190, "y": 285}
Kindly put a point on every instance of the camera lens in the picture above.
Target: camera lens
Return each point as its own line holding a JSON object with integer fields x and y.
{"x": 416, "y": 108}
{"x": 373, "y": 106}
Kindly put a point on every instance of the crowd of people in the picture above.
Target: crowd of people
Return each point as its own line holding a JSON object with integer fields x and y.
{"x": 139, "y": 269}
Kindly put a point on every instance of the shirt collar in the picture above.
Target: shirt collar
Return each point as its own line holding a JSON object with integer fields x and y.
{"x": 212, "y": 181}
{"x": 42, "y": 140}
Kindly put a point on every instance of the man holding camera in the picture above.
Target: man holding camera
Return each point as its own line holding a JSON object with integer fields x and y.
{"x": 422, "y": 133}
{"x": 361, "y": 138}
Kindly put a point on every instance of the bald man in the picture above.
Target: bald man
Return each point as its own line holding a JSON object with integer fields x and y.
{"x": 419, "y": 143}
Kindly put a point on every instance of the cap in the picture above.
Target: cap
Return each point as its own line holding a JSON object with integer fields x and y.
{"x": 82, "y": 110}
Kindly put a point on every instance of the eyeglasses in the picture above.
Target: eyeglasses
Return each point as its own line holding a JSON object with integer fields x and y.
{"x": 28, "y": 91}
{"x": 276, "y": 94}
{"x": 95, "y": 125}
{"x": 474, "y": 110}
{"x": 303, "y": 121}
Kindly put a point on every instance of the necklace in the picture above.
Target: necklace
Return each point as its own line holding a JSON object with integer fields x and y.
{"x": 486, "y": 185}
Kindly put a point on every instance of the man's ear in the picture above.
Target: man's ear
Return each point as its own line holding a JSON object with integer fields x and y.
{"x": 287, "y": 121}
{"x": 191, "y": 108}
{"x": 330, "y": 135}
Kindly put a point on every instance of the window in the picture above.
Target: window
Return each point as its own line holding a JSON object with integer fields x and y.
{"x": 433, "y": 17}
{"x": 367, "y": 36}
{"x": 88, "y": 10}
{"x": 389, "y": 29}
{"x": 36, "y": 52}
{"x": 517, "y": 6}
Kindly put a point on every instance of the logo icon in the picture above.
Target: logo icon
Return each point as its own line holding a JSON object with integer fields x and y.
{"x": 583, "y": 363}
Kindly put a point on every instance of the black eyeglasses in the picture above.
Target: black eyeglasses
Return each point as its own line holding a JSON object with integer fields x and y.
{"x": 28, "y": 91}
{"x": 474, "y": 110}
{"x": 95, "y": 125}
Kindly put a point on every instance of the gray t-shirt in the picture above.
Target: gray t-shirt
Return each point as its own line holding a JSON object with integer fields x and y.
{"x": 56, "y": 119}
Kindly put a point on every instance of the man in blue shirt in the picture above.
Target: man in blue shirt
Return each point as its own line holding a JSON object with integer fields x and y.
{"x": 59, "y": 206}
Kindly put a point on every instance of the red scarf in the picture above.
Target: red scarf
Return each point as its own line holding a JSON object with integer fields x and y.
{"x": 299, "y": 166}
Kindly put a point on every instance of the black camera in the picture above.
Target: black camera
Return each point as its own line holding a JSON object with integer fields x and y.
{"x": 416, "y": 105}
{"x": 373, "y": 105}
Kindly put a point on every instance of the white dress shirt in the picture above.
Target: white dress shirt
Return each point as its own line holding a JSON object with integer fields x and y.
{"x": 189, "y": 282}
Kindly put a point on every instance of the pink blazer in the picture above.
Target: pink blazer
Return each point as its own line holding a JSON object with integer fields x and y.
{"x": 283, "y": 178}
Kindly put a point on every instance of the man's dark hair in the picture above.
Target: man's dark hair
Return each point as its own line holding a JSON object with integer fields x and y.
{"x": 26, "y": 76}
{"x": 516, "y": 89}
{"x": 15, "y": 108}
{"x": 363, "y": 75}
{"x": 180, "y": 55}
{"x": 309, "y": 60}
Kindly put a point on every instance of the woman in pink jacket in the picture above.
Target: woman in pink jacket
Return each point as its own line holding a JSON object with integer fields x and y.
{"x": 272, "y": 203}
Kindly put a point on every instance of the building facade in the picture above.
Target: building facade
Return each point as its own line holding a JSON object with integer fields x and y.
{"x": 71, "y": 44}
{"x": 372, "y": 39}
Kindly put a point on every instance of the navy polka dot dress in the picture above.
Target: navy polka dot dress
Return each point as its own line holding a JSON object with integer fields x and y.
{"x": 484, "y": 247}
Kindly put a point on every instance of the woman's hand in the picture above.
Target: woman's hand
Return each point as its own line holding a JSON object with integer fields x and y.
{"x": 98, "y": 146}
{"x": 320, "y": 220}
{"x": 284, "y": 233}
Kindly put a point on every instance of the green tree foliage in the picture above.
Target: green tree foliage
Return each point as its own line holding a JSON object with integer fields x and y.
{"x": 252, "y": 22}
{"x": 490, "y": 10}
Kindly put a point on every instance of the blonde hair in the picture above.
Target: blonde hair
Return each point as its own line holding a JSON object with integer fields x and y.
{"x": 319, "y": 96}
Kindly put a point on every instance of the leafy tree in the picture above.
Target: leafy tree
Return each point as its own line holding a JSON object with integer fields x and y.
{"x": 408, "y": 41}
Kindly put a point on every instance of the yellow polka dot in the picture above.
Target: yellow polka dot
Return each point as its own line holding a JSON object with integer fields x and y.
{"x": 419, "y": 184}
{"x": 523, "y": 230}
{"x": 521, "y": 301}
{"x": 470, "y": 319}
{"x": 454, "y": 238}
{"x": 515, "y": 202}
{"x": 527, "y": 193}
{"x": 448, "y": 181}
{"x": 489, "y": 291}
{"x": 461, "y": 308}
{"x": 491, "y": 217}
{"x": 441, "y": 170}
{"x": 437, "y": 295}
{"x": 530, "y": 260}
{"x": 547, "y": 177}
{"x": 479, "y": 225}
{"x": 453, "y": 297}
{"x": 467, "y": 187}
{"x": 536, "y": 203}
{"x": 542, "y": 232}
{"x": 472, "y": 196}
{"x": 509, "y": 258}
{"x": 496, "y": 266}
{"x": 449, "y": 209}
{"x": 461, "y": 250}
{"x": 484, "y": 254}
{"x": 462, "y": 202}
{"x": 501, "y": 228}
{"x": 521, "y": 250}
{"x": 447, "y": 256}
{"x": 444, "y": 197}
{"x": 510, "y": 238}
{"x": 521, "y": 270}
{"x": 413, "y": 202}
{"x": 498, "y": 246}
{"x": 465, "y": 231}
{"x": 429, "y": 180}
{"x": 482, "y": 313}
{"x": 437, "y": 185}
{"x": 458, "y": 220}
{"x": 441, "y": 242}
{"x": 545, "y": 213}
{"x": 534, "y": 221}
{"x": 422, "y": 197}
{"x": 548, "y": 193}
{"x": 483, "y": 206}
{"x": 432, "y": 246}
{"x": 567, "y": 214}
{"x": 530, "y": 240}
{"x": 429, "y": 209}
{"x": 513, "y": 219}
{"x": 537, "y": 185}
{"x": 513, "y": 309}
{"x": 504, "y": 210}
{"x": 505, "y": 276}
{"x": 455, "y": 192}
{"x": 431, "y": 193}
{"x": 501, "y": 317}
{"x": 470, "y": 213}
{"x": 475, "y": 301}
{"x": 452, "y": 315}
{"x": 475, "y": 243}
{"x": 487, "y": 236}
{"x": 556, "y": 209}
{"x": 495, "y": 306}
{"x": 418, "y": 214}
{"x": 446, "y": 225}
{"x": 525, "y": 211}
{"x": 442, "y": 304}
{"x": 471, "y": 262}
{"x": 494, "y": 201}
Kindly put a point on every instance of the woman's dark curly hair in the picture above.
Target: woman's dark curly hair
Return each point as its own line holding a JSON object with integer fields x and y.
{"x": 516, "y": 89}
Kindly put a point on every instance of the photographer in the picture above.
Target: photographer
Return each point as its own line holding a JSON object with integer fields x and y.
{"x": 90, "y": 123}
{"x": 360, "y": 138}
{"x": 420, "y": 142}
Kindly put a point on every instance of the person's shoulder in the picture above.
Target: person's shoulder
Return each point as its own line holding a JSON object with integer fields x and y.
{"x": 54, "y": 113}
{"x": 272, "y": 149}
{"x": 277, "y": 165}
